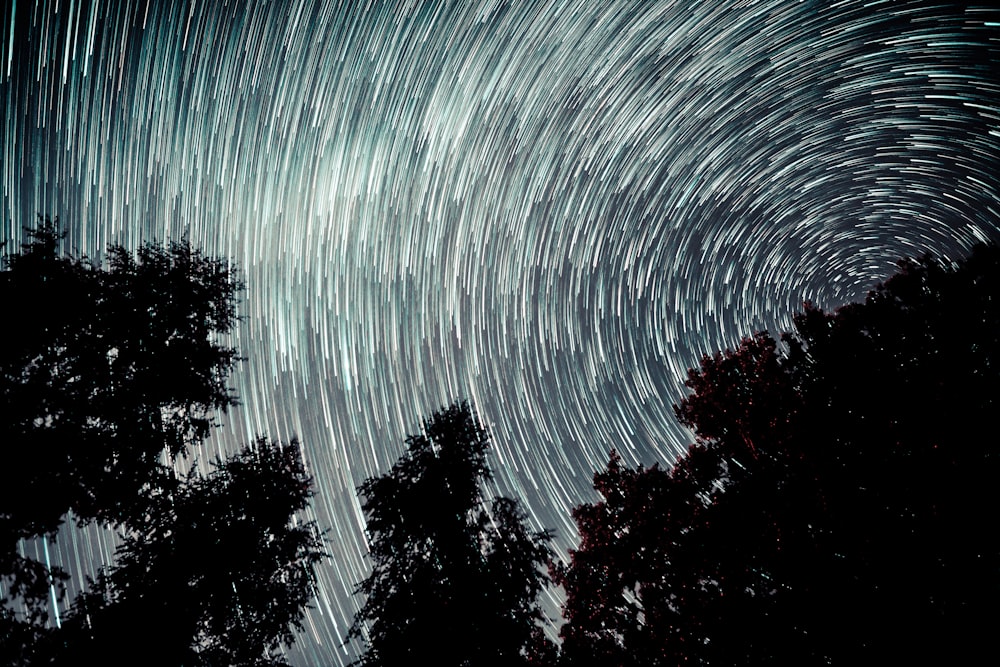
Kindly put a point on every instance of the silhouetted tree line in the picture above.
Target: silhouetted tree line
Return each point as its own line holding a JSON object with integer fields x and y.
{"x": 838, "y": 506}
{"x": 835, "y": 508}
{"x": 109, "y": 376}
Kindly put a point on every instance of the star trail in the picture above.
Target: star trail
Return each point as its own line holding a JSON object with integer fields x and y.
{"x": 552, "y": 209}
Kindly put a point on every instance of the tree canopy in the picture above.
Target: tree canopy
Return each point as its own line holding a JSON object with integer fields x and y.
{"x": 219, "y": 567}
{"x": 105, "y": 369}
{"x": 110, "y": 376}
{"x": 836, "y": 506}
{"x": 454, "y": 579}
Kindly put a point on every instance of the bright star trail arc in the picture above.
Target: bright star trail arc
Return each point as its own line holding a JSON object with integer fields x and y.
{"x": 549, "y": 208}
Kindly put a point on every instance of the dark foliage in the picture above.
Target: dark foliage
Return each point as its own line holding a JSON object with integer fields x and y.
{"x": 836, "y": 507}
{"x": 219, "y": 569}
{"x": 454, "y": 580}
{"x": 103, "y": 371}
{"x": 107, "y": 373}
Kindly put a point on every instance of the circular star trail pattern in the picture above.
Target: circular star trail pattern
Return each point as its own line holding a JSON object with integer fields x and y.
{"x": 549, "y": 208}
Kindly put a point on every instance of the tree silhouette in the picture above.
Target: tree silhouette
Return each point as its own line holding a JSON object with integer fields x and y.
{"x": 454, "y": 580}
{"x": 908, "y": 384}
{"x": 835, "y": 506}
{"x": 219, "y": 568}
{"x": 104, "y": 370}
{"x": 109, "y": 376}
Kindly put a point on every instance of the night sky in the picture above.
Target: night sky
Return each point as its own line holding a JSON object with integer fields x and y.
{"x": 551, "y": 209}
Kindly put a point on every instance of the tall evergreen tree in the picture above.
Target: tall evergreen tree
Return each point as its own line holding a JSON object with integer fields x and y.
{"x": 455, "y": 579}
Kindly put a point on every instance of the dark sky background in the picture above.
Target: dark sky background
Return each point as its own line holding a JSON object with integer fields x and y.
{"x": 549, "y": 208}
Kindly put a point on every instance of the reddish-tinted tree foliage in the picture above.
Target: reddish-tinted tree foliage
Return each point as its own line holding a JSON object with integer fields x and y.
{"x": 836, "y": 506}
